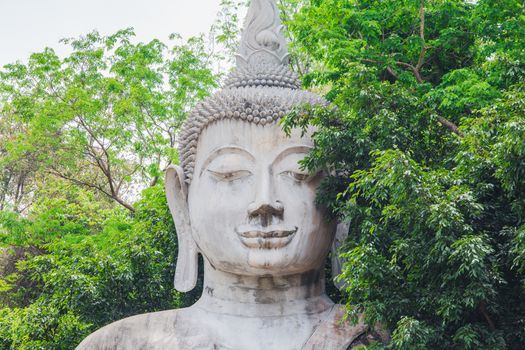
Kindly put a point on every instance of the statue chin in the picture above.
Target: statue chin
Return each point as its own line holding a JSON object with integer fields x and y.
{"x": 241, "y": 199}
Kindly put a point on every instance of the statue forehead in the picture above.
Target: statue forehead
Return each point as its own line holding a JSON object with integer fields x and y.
{"x": 250, "y": 137}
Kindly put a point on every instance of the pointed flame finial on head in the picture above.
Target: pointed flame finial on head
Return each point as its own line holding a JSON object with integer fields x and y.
{"x": 262, "y": 41}
{"x": 262, "y": 58}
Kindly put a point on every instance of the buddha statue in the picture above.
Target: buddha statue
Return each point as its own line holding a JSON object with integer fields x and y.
{"x": 241, "y": 200}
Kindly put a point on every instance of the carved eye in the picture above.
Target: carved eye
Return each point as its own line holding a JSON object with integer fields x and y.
{"x": 229, "y": 175}
{"x": 295, "y": 175}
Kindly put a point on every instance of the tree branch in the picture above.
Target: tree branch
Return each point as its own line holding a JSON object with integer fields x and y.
{"x": 421, "y": 58}
{"x": 445, "y": 122}
{"x": 451, "y": 126}
{"x": 392, "y": 73}
{"x": 106, "y": 168}
{"x": 485, "y": 313}
{"x": 95, "y": 187}
{"x": 414, "y": 70}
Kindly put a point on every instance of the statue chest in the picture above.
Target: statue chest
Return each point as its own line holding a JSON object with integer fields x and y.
{"x": 306, "y": 332}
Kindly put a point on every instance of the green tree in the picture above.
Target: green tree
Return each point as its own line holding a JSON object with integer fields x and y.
{"x": 104, "y": 118}
{"x": 74, "y": 285}
{"x": 86, "y": 237}
{"x": 426, "y": 154}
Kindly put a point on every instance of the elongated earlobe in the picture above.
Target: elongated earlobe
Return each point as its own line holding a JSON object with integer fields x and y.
{"x": 187, "y": 260}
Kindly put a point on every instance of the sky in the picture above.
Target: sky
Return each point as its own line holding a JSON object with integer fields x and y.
{"x": 28, "y": 26}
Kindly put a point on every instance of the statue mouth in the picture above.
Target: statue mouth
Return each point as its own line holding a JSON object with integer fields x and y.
{"x": 265, "y": 238}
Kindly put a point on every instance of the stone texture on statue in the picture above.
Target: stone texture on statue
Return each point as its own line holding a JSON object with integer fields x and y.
{"x": 242, "y": 201}
{"x": 262, "y": 88}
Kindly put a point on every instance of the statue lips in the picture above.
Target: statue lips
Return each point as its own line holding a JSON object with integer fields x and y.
{"x": 271, "y": 237}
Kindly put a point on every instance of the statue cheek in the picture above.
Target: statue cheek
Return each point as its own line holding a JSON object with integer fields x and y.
{"x": 235, "y": 190}
{"x": 218, "y": 207}
{"x": 300, "y": 190}
{"x": 214, "y": 195}
{"x": 301, "y": 203}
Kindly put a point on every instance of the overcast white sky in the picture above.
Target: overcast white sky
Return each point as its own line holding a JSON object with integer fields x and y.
{"x": 28, "y": 26}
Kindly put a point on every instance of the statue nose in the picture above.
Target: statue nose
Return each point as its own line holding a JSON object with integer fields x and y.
{"x": 276, "y": 208}
{"x": 265, "y": 211}
{"x": 265, "y": 207}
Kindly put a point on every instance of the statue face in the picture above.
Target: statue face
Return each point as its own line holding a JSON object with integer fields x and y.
{"x": 251, "y": 208}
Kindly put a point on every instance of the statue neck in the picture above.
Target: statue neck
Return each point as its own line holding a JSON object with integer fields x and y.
{"x": 256, "y": 296}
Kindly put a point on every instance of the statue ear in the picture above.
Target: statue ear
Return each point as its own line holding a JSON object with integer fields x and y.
{"x": 187, "y": 260}
{"x": 341, "y": 234}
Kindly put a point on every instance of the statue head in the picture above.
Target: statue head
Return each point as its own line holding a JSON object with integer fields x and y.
{"x": 240, "y": 197}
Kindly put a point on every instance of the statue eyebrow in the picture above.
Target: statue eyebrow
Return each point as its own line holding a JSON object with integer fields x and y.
{"x": 222, "y": 150}
{"x": 293, "y": 149}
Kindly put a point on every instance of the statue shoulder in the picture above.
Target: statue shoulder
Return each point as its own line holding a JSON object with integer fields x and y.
{"x": 158, "y": 330}
{"x": 334, "y": 333}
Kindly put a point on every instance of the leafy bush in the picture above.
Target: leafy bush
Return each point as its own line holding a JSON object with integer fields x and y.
{"x": 79, "y": 283}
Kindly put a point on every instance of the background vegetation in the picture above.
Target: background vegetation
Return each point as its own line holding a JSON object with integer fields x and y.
{"x": 428, "y": 143}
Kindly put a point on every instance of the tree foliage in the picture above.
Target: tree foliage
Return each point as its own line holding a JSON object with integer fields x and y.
{"x": 86, "y": 237}
{"x": 104, "y": 118}
{"x": 426, "y": 151}
{"x": 74, "y": 285}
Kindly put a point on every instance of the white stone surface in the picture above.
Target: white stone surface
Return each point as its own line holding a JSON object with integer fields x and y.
{"x": 262, "y": 40}
{"x": 243, "y": 202}
{"x": 251, "y": 207}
